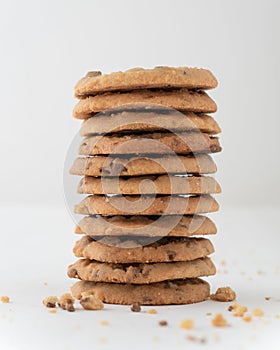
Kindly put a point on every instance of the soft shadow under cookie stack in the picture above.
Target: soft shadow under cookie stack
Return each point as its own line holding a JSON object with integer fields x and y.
{"x": 146, "y": 133}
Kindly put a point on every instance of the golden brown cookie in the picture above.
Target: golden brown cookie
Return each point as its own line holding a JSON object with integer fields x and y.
{"x": 183, "y": 226}
{"x": 154, "y": 143}
{"x": 136, "y": 107}
{"x": 145, "y": 205}
{"x": 135, "y": 166}
{"x": 136, "y": 250}
{"x": 185, "y": 291}
{"x": 90, "y": 270}
{"x": 138, "y": 78}
{"x": 181, "y": 99}
{"x": 149, "y": 184}
{"x": 132, "y": 121}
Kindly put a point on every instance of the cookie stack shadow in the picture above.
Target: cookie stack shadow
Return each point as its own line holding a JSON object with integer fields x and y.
{"x": 148, "y": 176}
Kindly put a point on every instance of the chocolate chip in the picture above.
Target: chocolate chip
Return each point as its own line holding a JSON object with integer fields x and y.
{"x": 70, "y": 307}
{"x": 135, "y": 307}
{"x": 146, "y": 299}
{"x": 163, "y": 323}
{"x": 230, "y": 308}
{"x": 67, "y": 305}
{"x": 171, "y": 255}
{"x": 49, "y": 304}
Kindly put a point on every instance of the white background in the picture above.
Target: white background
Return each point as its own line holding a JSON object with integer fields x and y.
{"x": 46, "y": 46}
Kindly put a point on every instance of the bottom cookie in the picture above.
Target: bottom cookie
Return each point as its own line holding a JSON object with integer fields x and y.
{"x": 184, "y": 291}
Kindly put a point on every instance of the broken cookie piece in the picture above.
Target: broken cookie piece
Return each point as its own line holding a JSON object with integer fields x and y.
{"x": 238, "y": 310}
{"x": 50, "y": 301}
{"x": 89, "y": 302}
{"x": 223, "y": 294}
{"x": 66, "y": 302}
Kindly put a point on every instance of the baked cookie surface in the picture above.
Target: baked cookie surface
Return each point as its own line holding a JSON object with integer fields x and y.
{"x": 137, "y": 78}
{"x": 137, "y": 165}
{"x": 181, "y": 99}
{"x": 162, "y": 184}
{"x": 184, "y": 291}
{"x": 150, "y": 143}
{"x": 146, "y": 205}
{"x": 128, "y": 121}
{"x": 89, "y": 270}
{"x": 182, "y": 226}
{"x": 137, "y": 250}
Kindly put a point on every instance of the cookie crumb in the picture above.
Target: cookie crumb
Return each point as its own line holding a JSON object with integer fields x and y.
{"x": 239, "y": 310}
{"x": 267, "y": 298}
{"x": 247, "y": 318}
{"x": 66, "y": 302}
{"x": 277, "y": 316}
{"x": 135, "y": 307}
{"x": 163, "y": 323}
{"x": 230, "y": 308}
{"x": 187, "y": 324}
{"x": 208, "y": 313}
{"x": 4, "y": 299}
{"x": 216, "y": 338}
{"x": 223, "y": 294}
{"x": 52, "y": 311}
{"x": 258, "y": 312}
{"x": 223, "y": 263}
{"x": 219, "y": 321}
{"x": 50, "y": 301}
{"x": 102, "y": 340}
{"x": 104, "y": 323}
{"x": 152, "y": 311}
{"x": 196, "y": 339}
{"x": 89, "y": 302}
{"x": 155, "y": 339}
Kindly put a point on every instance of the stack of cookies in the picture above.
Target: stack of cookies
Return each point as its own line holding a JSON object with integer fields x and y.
{"x": 145, "y": 161}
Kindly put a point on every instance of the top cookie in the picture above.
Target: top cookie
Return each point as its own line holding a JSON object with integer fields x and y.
{"x": 137, "y": 78}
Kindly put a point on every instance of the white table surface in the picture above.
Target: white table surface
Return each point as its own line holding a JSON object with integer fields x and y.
{"x": 36, "y": 248}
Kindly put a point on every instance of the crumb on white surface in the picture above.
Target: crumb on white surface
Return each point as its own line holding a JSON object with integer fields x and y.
{"x": 219, "y": 321}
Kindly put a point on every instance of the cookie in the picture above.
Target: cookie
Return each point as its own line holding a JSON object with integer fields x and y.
{"x": 136, "y": 250}
{"x": 181, "y": 99}
{"x": 183, "y": 226}
{"x": 127, "y": 121}
{"x": 90, "y": 270}
{"x": 136, "y": 107}
{"x": 146, "y": 205}
{"x": 154, "y": 143}
{"x": 138, "y": 78}
{"x": 162, "y": 184}
{"x": 185, "y": 291}
{"x": 135, "y": 166}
